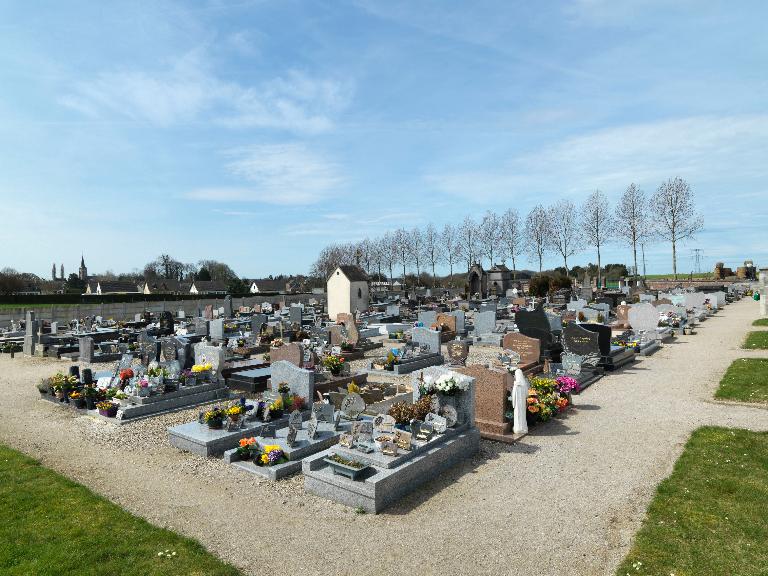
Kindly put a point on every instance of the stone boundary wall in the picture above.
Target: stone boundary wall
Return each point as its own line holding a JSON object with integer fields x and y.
{"x": 127, "y": 310}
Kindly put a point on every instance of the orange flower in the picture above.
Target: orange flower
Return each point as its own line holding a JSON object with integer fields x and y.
{"x": 243, "y": 442}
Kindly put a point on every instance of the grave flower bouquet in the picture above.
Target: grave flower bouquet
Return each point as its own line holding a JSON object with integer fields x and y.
{"x": 333, "y": 363}
{"x": 215, "y": 417}
{"x": 283, "y": 388}
{"x": 271, "y": 454}
{"x": 200, "y": 368}
{"x": 235, "y": 412}
{"x": 247, "y": 448}
{"x": 447, "y": 384}
{"x": 277, "y": 342}
{"x": 543, "y": 399}
{"x": 566, "y": 385}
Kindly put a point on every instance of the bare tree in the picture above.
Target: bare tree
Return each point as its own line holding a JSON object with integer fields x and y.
{"x": 389, "y": 252}
{"x": 597, "y": 224}
{"x": 512, "y": 237}
{"x": 403, "y": 246}
{"x": 537, "y": 232}
{"x": 631, "y": 222}
{"x": 416, "y": 250}
{"x": 432, "y": 249}
{"x": 330, "y": 257}
{"x": 467, "y": 239}
{"x": 565, "y": 235}
{"x": 377, "y": 254}
{"x": 488, "y": 235}
{"x": 363, "y": 249}
{"x": 450, "y": 247}
{"x": 676, "y": 216}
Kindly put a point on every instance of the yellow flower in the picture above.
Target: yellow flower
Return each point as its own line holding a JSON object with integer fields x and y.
{"x": 264, "y": 459}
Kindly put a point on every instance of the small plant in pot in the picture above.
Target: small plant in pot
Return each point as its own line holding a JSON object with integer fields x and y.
{"x": 107, "y": 408}
{"x": 89, "y": 392}
{"x": 247, "y": 449}
{"x": 285, "y": 390}
{"x": 77, "y": 399}
{"x": 214, "y": 418}
{"x": 333, "y": 364}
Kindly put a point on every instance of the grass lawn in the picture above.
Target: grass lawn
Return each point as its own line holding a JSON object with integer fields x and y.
{"x": 760, "y": 322}
{"x": 53, "y": 526}
{"x": 709, "y": 516}
{"x": 756, "y": 340}
{"x": 746, "y": 380}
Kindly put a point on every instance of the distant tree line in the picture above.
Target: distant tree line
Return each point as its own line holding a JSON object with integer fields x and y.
{"x": 562, "y": 229}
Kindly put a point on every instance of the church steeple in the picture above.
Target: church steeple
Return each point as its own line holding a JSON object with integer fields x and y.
{"x": 83, "y": 272}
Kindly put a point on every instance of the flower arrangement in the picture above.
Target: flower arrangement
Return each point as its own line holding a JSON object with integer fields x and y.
{"x": 347, "y": 346}
{"x": 157, "y": 371}
{"x": 283, "y": 388}
{"x": 545, "y": 399}
{"x": 214, "y": 417}
{"x": 353, "y": 388}
{"x": 566, "y": 385}
{"x": 277, "y": 407}
{"x": 401, "y": 412}
{"x": 230, "y": 327}
{"x": 271, "y": 454}
{"x": 447, "y": 384}
{"x": 62, "y": 382}
{"x": 235, "y": 412}
{"x": 247, "y": 448}
{"x": 126, "y": 374}
{"x": 421, "y": 407}
{"x": 277, "y": 342}
{"x": 333, "y": 363}
{"x": 200, "y": 368}
{"x": 107, "y": 408}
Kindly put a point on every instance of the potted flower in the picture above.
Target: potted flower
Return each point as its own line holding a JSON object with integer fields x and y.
{"x": 121, "y": 397}
{"x": 157, "y": 376}
{"x": 247, "y": 449}
{"x": 234, "y": 413}
{"x": 107, "y": 408}
{"x": 566, "y": 386}
{"x": 277, "y": 408}
{"x": 142, "y": 388}
{"x": 214, "y": 418}
{"x": 89, "y": 392}
{"x": 202, "y": 371}
{"x": 270, "y": 455}
{"x": 333, "y": 364}
{"x": 402, "y": 413}
{"x": 125, "y": 377}
{"x": 284, "y": 389}
{"x": 77, "y": 399}
{"x": 187, "y": 378}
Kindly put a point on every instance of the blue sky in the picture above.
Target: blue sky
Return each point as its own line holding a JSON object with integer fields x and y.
{"x": 256, "y": 132}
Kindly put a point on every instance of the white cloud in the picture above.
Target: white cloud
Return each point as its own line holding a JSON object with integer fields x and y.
{"x": 701, "y": 149}
{"x": 287, "y": 174}
{"x": 187, "y": 90}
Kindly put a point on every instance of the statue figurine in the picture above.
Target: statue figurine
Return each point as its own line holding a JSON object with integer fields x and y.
{"x": 519, "y": 399}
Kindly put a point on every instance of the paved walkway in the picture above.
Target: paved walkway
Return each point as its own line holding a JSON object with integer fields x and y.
{"x": 567, "y": 500}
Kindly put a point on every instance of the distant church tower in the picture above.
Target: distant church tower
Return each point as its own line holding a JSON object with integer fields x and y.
{"x": 83, "y": 272}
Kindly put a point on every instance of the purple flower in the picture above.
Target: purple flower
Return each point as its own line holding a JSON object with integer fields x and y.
{"x": 275, "y": 456}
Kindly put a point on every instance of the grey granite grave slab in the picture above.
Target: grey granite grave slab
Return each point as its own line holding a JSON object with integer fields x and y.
{"x": 426, "y": 337}
{"x": 485, "y": 322}
{"x": 302, "y": 382}
{"x": 381, "y": 487}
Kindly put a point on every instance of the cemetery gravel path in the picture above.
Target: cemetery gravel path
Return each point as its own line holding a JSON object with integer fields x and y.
{"x": 566, "y": 500}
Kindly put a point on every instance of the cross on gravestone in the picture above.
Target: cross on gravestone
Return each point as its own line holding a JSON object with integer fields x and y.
{"x": 528, "y": 348}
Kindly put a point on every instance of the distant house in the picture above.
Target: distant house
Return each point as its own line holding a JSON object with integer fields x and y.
{"x": 265, "y": 285}
{"x": 347, "y": 291}
{"x": 208, "y": 287}
{"x": 102, "y": 287}
{"x": 166, "y": 287}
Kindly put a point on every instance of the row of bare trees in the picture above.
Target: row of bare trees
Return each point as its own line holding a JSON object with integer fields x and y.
{"x": 562, "y": 228}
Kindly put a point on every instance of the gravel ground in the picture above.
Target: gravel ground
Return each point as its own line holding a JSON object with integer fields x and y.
{"x": 566, "y": 500}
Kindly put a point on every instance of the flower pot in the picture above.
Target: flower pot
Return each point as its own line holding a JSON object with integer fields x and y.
{"x": 109, "y": 412}
{"x": 90, "y": 403}
{"x": 79, "y": 403}
{"x": 215, "y": 424}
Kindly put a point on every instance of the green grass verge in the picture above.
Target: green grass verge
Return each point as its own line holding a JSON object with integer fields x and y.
{"x": 709, "y": 516}
{"x": 745, "y": 380}
{"x": 756, "y": 341}
{"x": 53, "y": 526}
{"x": 760, "y": 322}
